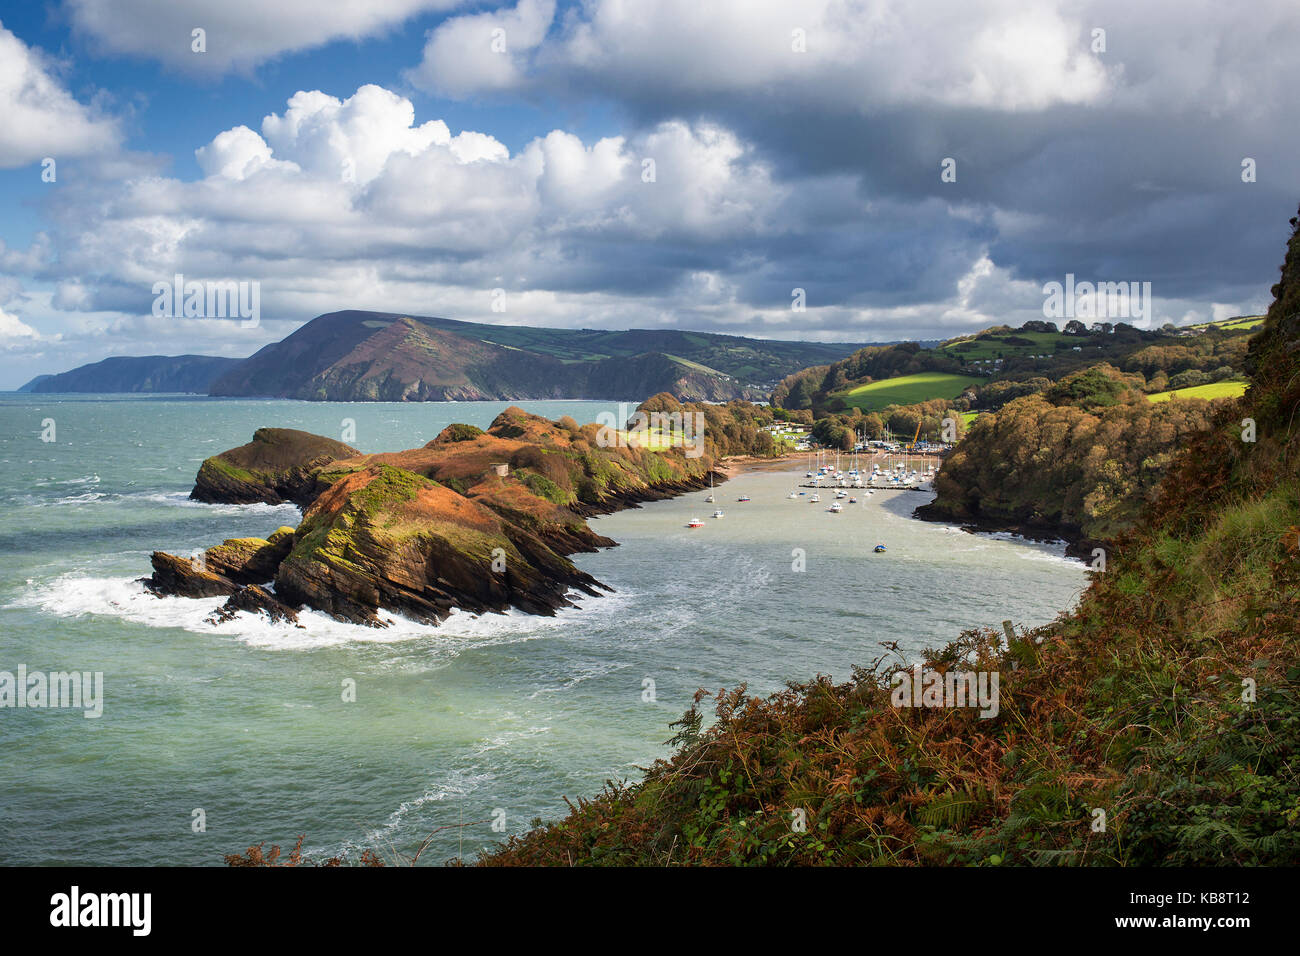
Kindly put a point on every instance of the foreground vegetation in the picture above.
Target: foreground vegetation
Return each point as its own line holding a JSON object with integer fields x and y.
{"x": 1158, "y": 724}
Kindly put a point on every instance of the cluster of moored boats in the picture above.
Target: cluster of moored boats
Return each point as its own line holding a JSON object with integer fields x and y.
{"x": 839, "y": 483}
{"x": 894, "y": 475}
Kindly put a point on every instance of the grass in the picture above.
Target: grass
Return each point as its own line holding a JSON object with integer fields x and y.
{"x": 650, "y": 439}
{"x": 1044, "y": 343}
{"x": 1229, "y": 389}
{"x": 1232, "y": 325}
{"x": 1247, "y": 322}
{"x": 907, "y": 390}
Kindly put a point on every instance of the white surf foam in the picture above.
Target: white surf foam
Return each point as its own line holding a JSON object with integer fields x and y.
{"x": 76, "y": 594}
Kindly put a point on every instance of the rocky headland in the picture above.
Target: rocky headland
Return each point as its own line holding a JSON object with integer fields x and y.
{"x": 474, "y": 520}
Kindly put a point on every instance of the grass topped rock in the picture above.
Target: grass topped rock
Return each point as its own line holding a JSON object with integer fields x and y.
{"x": 388, "y": 538}
{"x": 277, "y": 466}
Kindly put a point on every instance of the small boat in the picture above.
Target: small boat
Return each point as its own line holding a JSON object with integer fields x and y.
{"x": 879, "y": 549}
{"x": 710, "y": 498}
{"x": 718, "y": 514}
{"x": 815, "y": 498}
{"x": 853, "y": 501}
{"x": 695, "y": 523}
{"x": 835, "y": 508}
{"x": 793, "y": 494}
{"x": 743, "y": 498}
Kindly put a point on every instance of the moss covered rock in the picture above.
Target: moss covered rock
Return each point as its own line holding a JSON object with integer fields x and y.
{"x": 279, "y": 465}
{"x": 388, "y": 539}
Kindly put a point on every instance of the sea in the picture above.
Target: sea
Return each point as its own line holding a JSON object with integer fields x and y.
{"x": 214, "y": 738}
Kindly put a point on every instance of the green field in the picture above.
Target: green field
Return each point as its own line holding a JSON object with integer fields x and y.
{"x": 1043, "y": 343}
{"x": 907, "y": 390}
{"x": 1230, "y": 389}
{"x": 1231, "y": 325}
{"x": 968, "y": 417}
{"x": 1249, "y": 322}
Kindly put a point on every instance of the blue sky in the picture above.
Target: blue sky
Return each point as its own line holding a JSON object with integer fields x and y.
{"x": 173, "y": 113}
{"x": 795, "y": 145}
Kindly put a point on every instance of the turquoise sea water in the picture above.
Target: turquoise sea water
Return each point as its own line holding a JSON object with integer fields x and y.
{"x": 496, "y": 717}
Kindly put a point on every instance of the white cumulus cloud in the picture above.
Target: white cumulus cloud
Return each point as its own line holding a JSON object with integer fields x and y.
{"x": 38, "y": 117}
{"x": 484, "y": 51}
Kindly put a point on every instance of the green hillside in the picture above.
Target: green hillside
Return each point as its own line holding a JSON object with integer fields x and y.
{"x": 372, "y": 356}
{"x": 989, "y": 345}
{"x": 906, "y": 390}
{"x": 1234, "y": 324}
{"x": 1007, "y": 363}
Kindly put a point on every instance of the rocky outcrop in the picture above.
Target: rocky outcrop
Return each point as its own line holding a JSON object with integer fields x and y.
{"x": 279, "y": 465}
{"x": 475, "y": 520}
{"x": 250, "y": 560}
{"x": 220, "y": 570}
{"x": 186, "y": 577}
{"x": 388, "y": 538}
{"x": 253, "y": 599}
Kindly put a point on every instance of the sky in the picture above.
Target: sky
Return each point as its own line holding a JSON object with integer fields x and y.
{"x": 913, "y": 169}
